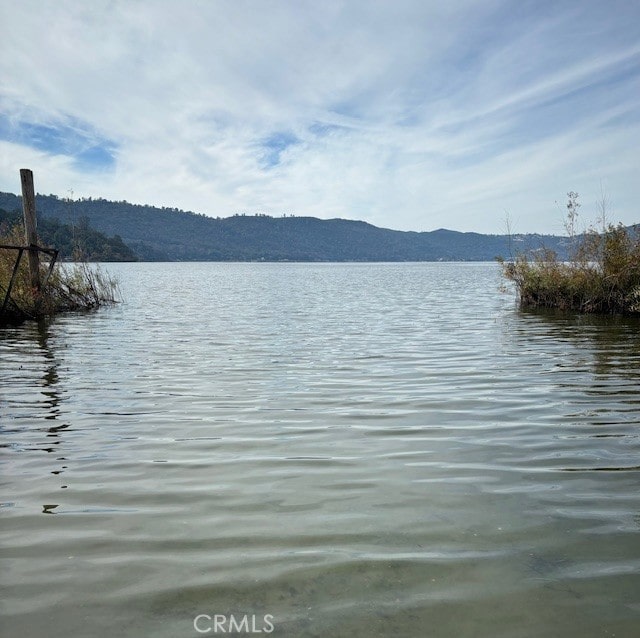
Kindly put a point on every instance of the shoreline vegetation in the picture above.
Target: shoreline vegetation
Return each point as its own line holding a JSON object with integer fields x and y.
{"x": 601, "y": 275}
{"x": 34, "y": 290}
{"x": 68, "y": 287}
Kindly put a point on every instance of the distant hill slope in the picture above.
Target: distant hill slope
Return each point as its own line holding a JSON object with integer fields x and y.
{"x": 77, "y": 242}
{"x": 171, "y": 234}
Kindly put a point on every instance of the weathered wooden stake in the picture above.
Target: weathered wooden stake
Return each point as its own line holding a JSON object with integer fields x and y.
{"x": 30, "y": 226}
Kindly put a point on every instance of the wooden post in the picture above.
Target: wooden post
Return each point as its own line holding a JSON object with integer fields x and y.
{"x": 30, "y": 226}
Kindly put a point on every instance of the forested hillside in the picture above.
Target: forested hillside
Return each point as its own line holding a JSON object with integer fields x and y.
{"x": 172, "y": 234}
{"x": 77, "y": 241}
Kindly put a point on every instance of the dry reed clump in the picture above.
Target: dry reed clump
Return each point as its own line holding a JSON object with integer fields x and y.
{"x": 70, "y": 286}
{"x": 602, "y": 274}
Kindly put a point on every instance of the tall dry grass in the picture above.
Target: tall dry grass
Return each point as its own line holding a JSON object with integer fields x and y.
{"x": 602, "y": 274}
{"x": 70, "y": 287}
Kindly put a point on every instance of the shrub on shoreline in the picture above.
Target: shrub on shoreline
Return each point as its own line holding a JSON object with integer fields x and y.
{"x": 601, "y": 276}
{"x": 70, "y": 286}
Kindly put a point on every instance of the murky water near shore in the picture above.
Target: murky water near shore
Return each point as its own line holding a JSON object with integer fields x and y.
{"x": 345, "y": 449}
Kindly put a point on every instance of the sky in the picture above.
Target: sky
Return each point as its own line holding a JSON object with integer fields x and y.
{"x": 407, "y": 114}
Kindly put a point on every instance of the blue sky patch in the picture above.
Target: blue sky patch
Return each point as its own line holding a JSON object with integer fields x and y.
{"x": 322, "y": 130}
{"x": 274, "y": 145}
{"x": 72, "y": 138}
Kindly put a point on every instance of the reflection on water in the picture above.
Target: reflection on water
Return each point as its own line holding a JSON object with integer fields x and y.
{"x": 354, "y": 449}
{"x": 613, "y": 343}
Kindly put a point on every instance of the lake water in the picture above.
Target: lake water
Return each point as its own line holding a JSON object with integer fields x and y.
{"x": 355, "y": 450}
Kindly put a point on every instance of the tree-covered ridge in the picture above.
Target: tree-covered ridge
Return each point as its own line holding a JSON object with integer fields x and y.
{"x": 171, "y": 234}
{"x": 74, "y": 241}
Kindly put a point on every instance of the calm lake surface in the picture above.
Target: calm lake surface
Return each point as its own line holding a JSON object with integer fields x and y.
{"x": 347, "y": 449}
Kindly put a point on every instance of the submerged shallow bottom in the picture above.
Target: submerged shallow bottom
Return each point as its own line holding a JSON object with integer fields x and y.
{"x": 344, "y": 450}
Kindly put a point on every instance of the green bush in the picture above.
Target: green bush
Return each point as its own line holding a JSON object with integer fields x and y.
{"x": 601, "y": 276}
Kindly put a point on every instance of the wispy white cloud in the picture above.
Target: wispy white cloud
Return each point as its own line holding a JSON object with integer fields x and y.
{"x": 411, "y": 114}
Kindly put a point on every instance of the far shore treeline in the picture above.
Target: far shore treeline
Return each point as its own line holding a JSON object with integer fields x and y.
{"x": 119, "y": 231}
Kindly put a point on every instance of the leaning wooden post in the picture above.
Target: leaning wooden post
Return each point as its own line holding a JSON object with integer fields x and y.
{"x": 30, "y": 226}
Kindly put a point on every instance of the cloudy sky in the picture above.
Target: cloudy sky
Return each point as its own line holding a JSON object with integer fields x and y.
{"x": 409, "y": 114}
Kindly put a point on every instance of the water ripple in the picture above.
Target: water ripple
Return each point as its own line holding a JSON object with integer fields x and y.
{"x": 355, "y": 449}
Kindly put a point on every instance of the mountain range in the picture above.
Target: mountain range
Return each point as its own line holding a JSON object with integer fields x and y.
{"x": 169, "y": 234}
